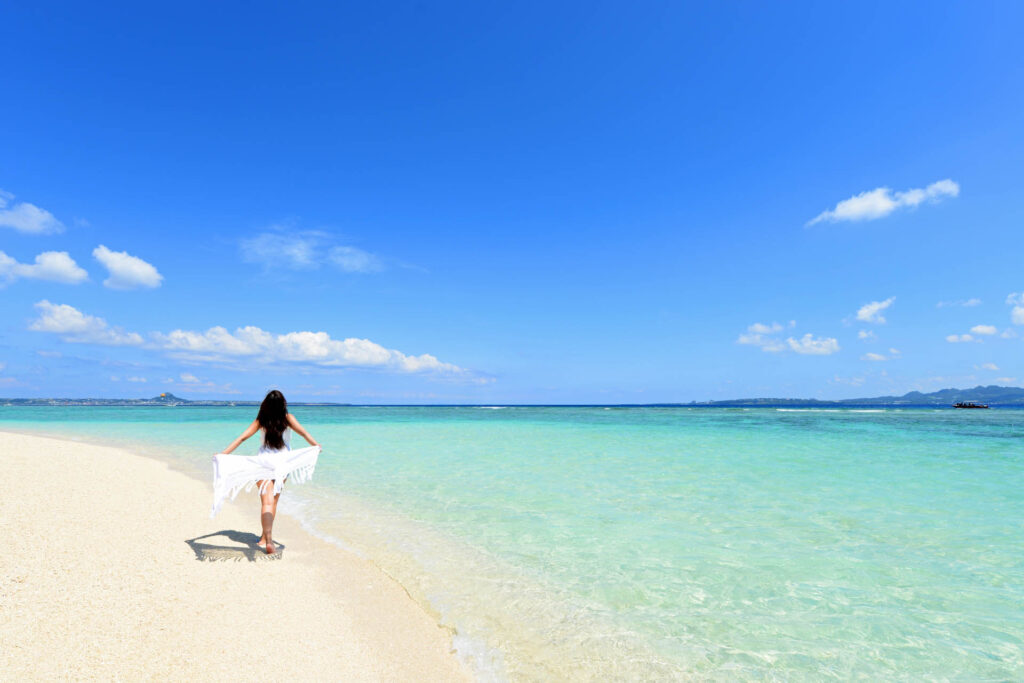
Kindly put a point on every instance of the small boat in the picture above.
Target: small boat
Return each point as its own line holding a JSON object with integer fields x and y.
{"x": 969, "y": 404}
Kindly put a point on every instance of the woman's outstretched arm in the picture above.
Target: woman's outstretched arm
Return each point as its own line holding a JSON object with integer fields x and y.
{"x": 249, "y": 431}
{"x": 298, "y": 429}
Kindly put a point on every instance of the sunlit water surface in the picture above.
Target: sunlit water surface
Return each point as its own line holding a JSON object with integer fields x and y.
{"x": 656, "y": 542}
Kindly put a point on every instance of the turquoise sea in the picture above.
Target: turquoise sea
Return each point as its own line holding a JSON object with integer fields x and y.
{"x": 652, "y": 543}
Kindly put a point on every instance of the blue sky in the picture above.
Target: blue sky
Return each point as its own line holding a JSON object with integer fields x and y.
{"x": 585, "y": 202}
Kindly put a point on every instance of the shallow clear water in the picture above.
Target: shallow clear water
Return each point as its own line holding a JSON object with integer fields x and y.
{"x": 653, "y": 542}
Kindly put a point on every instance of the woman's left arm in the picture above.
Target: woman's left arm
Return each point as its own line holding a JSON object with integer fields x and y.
{"x": 298, "y": 429}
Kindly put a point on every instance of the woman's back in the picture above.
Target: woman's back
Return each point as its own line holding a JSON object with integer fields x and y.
{"x": 286, "y": 436}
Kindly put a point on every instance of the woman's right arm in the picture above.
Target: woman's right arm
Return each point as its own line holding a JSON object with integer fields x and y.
{"x": 249, "y": 431}
{"x": 298, "y": 429}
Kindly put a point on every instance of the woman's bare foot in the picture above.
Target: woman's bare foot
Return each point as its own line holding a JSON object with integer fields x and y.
{"x": 269, "y": 547}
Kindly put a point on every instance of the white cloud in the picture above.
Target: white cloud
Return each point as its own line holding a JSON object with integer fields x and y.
{"x": 77, "y": 327}
{"x": 967, "y": 303}
{"x": 882, "y": 201}
{"x": 25, "y": 217}
{"x": 296, "y": 251}
{"x": 352, "y": 260}
{"x": 306, "y": 250}
{"x": 872, "y": 312}
{"x": 137, "y": 379}
{"x": 818, "y": 346}
{"x": 54, "y": 266}
{"x": 251, "y": 344}
{"x": 759, "y": 334}
{"x": 986, "y": 366}
{"x": 190, "y": 382}
{"x": 876, "y": 357}
{"x": 1016, "y": 300}
{"x": 984, "y": 330}
{"x": 301, "y": 347}
{"x": 1008, "y": 333}
{"x": 756, "y": 335}
{"x": 960, "y": 338}
{"x": 866, "y": 334}
{"x": 126, "y": 271}
{"x": 1006, "y": 380}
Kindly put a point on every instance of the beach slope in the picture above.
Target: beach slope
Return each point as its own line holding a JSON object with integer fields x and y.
{"x": 102, "y": 576}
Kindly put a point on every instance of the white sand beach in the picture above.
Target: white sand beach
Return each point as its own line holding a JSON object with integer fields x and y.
{"x": 105, "y": 573}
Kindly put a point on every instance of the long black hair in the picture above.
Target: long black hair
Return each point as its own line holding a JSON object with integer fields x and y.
{"x": 273, "y": 418}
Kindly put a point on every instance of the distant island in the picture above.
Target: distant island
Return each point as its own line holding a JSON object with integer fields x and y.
{"x": 165, "y": 399}
{"x": 992, "y": 395}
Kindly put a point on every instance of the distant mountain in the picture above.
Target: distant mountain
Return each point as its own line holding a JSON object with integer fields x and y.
{"x": 992, "y": 395}
{"x": 164, "y": 399}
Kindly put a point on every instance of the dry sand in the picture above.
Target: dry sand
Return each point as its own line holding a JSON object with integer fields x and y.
{"x": 101, "y": 576}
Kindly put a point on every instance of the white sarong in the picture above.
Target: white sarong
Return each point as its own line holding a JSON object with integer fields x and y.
{"x": 232, "y": 473}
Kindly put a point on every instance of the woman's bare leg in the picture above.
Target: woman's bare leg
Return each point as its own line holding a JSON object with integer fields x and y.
{"x": 268, "y": 509}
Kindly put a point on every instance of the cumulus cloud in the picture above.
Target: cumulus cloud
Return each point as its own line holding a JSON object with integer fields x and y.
{"x": 817, "y": 346}
{"x": 877, "y": 357}
{"x": 1006, "y": 380}
{"x": 250, "y": 344}
{"x": 761, "y": 328}
{"x": 987, "y": 366}
{"x": 764, "y": 336}
{"x": 318, "y": 348}
{"x": 306, "y": 250}
{"x": 126, "y": 271}
{"x": 960, "y": 338}
{"x": 1016, "y": 300}
{"x": 967, "y": 303}
{"x": 872, "y": 312}
{"x": 758, "y": 335}
{"x": 75, "y": 326}
{"x": 984, "y": 330}
{"x": 25, "y": 217}
{"x": 866, "y": 335}
{"x": 882, "y": 201}
{"x": 54, "y": 266}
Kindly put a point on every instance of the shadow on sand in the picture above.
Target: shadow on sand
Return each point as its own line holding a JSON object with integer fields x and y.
{"x": 242, "y": 547}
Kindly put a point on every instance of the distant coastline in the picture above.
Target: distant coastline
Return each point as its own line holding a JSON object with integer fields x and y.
{"x": 165, "y": 399}
{"x": 992, "y": 395}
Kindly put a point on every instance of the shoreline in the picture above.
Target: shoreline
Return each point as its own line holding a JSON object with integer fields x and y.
{"x": 106, "y": 570}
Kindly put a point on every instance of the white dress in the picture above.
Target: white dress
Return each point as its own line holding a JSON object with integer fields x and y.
{"x": 232, "y": 473}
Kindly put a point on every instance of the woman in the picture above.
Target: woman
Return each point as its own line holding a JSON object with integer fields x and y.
{"x": 272, "y": 465}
